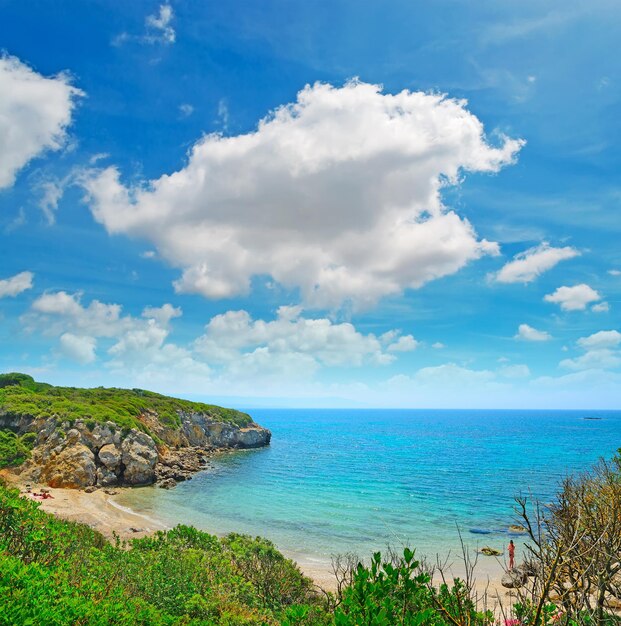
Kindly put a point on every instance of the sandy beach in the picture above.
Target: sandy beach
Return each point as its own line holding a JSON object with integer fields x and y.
{"x": 97, "y": 509}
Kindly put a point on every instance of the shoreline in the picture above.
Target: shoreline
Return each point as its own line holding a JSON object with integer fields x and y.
{"x": 103, "y": 513}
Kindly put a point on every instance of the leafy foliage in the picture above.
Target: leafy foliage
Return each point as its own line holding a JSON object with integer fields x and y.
{"x": 14, "y": 450}
{"x": 21, "y": 395}
{"x": 389, "y": 593}
{"x": 57, "y": 572}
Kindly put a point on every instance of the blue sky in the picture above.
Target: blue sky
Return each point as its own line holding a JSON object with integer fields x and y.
{"x": 405, "y": 204}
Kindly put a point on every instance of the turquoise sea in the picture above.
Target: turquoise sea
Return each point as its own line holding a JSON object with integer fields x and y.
{"x": 357, "y": 480}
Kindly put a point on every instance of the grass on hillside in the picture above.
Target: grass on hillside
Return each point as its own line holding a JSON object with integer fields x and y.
{"x": 21, "y": 395}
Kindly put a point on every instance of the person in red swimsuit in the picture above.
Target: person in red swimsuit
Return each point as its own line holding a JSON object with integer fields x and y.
{"x": 511, "y": 554}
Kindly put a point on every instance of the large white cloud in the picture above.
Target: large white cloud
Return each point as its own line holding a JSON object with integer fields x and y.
{"x": 34, "y": 114}
{"x": 528, "y": 265}
{"x": 14, "y": 285}
{"x": 573, "y": 298}
{"x": 337, "y": 194}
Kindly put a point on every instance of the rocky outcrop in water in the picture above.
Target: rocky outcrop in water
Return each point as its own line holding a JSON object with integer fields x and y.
{"x": 84, "y": 454}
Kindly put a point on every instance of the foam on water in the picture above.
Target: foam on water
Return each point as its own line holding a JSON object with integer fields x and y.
{"x": 357, "y": 480}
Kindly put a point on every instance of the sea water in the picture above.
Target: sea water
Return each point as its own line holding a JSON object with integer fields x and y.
{"x": 335, "y": 481}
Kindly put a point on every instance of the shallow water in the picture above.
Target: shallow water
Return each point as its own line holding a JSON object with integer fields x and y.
{"x": 357, "y": 480}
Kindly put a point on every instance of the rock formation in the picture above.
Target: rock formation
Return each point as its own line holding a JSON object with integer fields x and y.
{"x": 82, "y": 454}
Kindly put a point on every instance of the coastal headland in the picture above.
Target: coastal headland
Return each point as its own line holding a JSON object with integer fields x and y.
{"x": 95, "y": 438}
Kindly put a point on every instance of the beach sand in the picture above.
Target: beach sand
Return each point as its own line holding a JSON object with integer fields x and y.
{"x": 100, "y": 511}
{"x": 97, "y": 510}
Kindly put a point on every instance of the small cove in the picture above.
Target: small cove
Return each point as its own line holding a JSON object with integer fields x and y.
{"x": 356, "y": 480}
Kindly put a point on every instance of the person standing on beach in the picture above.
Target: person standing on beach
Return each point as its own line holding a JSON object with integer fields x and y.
{"x": 511, "y": 554}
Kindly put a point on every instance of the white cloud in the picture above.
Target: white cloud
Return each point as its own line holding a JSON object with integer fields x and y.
{"x": 514, "y": 371}
{"x": 600, "y": 340}
{"x": 602, "y": 307}
{"x": 186, "y": 110}
{"x": 429, "y": 386}
{"x": 55, "y": 312}
{"x": 52, "y": 192}
{"x": 99, "y": 156}
{"x": 17, "y": 222}
{"x": 16, "y": 284}
{"x": 438, "y": 345}
{"x": 233, "y": 348}
{"x": 528, "y": 333}
{"x": 223, "y": 114}
{"x": 601, "y": 352}
{"x": 614, "y": 272}
{"x": 79, "y": 348}
{"x": 163, "y": 314}
{"x": 453, "y": 375}
{"x": 407, "y": 343}
{"x": 35, "y": 112}
{"x": 573, "y": 298}
{"x": 337, "y": 194}
{"x": 234, "y": 337}
{"x": 593, "y": 359}
{"x": 159, "y": 29}
{"x": 531, "y": 263}
{"x": 139, "y": 345}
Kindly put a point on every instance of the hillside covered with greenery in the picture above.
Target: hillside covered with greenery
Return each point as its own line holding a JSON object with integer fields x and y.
{"x": 21, "y": 395}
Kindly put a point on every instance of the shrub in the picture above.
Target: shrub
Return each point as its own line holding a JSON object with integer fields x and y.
{"x": 14, "y": 450}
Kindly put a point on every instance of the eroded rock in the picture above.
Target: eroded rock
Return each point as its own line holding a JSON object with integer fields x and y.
{"x": 110, "y": 457}
{"x": 106, "y": 477}
{"x": 74, "y": 467}
{"x": 139, "y": 456}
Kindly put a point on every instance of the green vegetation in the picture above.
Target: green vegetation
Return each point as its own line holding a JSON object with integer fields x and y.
{"x": 399, "y": 592}
{"x": 14, "y": 450}
{"x": 61, "y": 573}
{"x": 21, "y": 395}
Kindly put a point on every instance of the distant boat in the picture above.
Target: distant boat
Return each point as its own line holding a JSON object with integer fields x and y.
{"x": 591, "y": 418}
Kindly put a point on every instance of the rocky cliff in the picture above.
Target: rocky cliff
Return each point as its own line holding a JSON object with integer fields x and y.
{"x": 83, "y": 453}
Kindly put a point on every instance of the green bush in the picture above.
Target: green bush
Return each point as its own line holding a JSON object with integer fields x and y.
{"x": 389, "y": 593}
{"x": 14, "y": 450}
